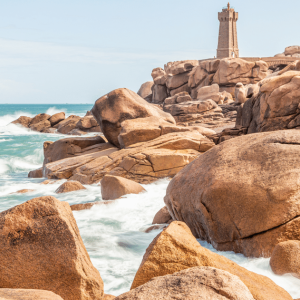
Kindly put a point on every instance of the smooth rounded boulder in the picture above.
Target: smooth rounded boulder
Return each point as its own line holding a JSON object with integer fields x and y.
{"x": 56, "y": 118}
{"x": 27, "y": 294}
{"x": 120, "y": 105}
{"x": 69, "y": 186}
{"x": 242, "y": 195}
{"x": 23, "y": 120}
{"x": 285, "y": 258}
{"x": 162, "y": 216}
{"x": 114, "y": 187}
{"x": 41, "y": 248}
{"x": 190, "y": 284}
{"x": 176, "y": 249}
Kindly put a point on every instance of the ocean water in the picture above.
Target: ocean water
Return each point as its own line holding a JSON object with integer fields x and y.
{"x": 113, "y": 234}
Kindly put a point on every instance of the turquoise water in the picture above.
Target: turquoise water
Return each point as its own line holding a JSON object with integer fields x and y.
{"x": 114, "y": 234}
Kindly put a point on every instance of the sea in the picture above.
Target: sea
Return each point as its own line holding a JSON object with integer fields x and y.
{"x": 114, "y": 235}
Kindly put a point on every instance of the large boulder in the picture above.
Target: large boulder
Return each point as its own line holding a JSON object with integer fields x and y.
{"x": 114, "y": 187}
{"x": 87, "y": 123}
{"x": 56, "y": 118}
{"x": 276, "y": 107}
{"x": 67, "y": 125}
{"x": 162, "y": 216}
{"x": 145, "y": 89}
{"x": 242, "y": 195}
{"x": 40, "y": 126}
{"x": 176, "y": 249}
{"x": 27, "y": 294}
{"x": 291, "y": 50}
{"x": 69, "y": 186}
{"x": 23, "y": 120}
{"x": 234, "y": 70}
{"x": 71, "y": 147}
{"x": 142, "y": 162}
{"x": 38, "y": 173}
{"x": 160, "y": 93}
{"x": 190, "y": 284}
{"x": 41, "y": 248}
{"x": 120, "y": 105}
{"x": 285, "y": 258}
{"x": 179, "y": 67}
{"x": 39, "y": 118}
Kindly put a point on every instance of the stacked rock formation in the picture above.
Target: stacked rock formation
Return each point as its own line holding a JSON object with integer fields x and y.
{"x": 291, "y": 51}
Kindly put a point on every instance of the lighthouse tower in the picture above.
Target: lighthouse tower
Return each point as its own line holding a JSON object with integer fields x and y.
{"x": 228, "y": 44}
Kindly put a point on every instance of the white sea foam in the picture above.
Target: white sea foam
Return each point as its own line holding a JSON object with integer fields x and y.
{"x": 6, "y": 119}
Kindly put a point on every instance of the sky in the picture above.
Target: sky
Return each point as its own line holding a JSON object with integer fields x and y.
{"x": 63, "y": 51}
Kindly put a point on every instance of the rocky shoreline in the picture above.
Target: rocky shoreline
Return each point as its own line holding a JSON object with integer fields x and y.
{"x": 226, "y": 133}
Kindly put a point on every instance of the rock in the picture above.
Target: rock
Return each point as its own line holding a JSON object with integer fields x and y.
{"x": 183, "y": 88}
{"x": 38, "y": 173}
{"x": 159, "y": 93}
{"x": 41, "y": 248}
{"x": 162, "y": 216}
{"x": 77, "y": 132}
{"x": 145, "y": 89}
{"x": 68, "y": 124}
{"x": 175, "y": 81}
{"x": 86, "y": 123}
{"x": 234, "y": 70}
{"x": 280, "y": 55}
{"x": 178, "y": 98}
{"x": 203, "y": 130}
{"x": 49, "y": 130}
{"x": 71, "y": 147}
{"x": 292, "y": 50}
{"x": 23, "y": 120}
{"x": 24, "y": 191}
{"x": 27, "y": 294}
{"x": 179, "y": 67}
{"x": 161, "y": 80}
{"x": 88, "y": 113}
{"x": 277, "y": 105}
{"x": 285, "y": 258}
{"x": 157, "y": 72}
{"x": 48, "y": 181}
{"x": 40, "y": 126}
{"x": 108, "y": 297}
{"x": 245, "y": 202}
{"x": 120, "y": 105}
{"x": 143, "y": 162}
{"x": 114, "y": 187}
{"x": 190, "y": 284}
{"x": 240, "y": 93}
{"x": 70, "y": 186}
{"x": 56, "y": 118}
{"x": 204, "y": 92}
{"x": 39, "y": 118}
{"x": 176, "y": 249}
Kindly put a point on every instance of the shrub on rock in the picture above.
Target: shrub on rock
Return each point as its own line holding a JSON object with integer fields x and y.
{"x": 114, "y": 187}
{"x": 242, "y": 195}
{"x": 286, "y": 258}
{"x": 176, "y": 249}
{"x": 41, "y": 248}
{"x": 70, "y": 186}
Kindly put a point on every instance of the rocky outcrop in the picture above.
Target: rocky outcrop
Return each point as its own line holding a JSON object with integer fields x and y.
{"x": 145, "y": 90}
{"x": 114, "y": 187}
{"x": 69, "y": 186}
{"x": 176, "y": 249}
{"x": 120, "y": 105}
{"x": 27, "y": 294}
{"x": 243, "y": 195}
{"x": 38, "y": 173}
{"x": 39, "y": 118}
{"x": 41, "y": 248}
{"x": 141, "y": 162}
{"x": 276, "y": 107}
{"x": 71, "y": 147}
{"x": 40, "y": 126}
{"x": 291, "y": 51}
{"x": 68, "y": 124}
{"x": 160, "y": 93}
{"x": 23, "y": 121}
{"x": 190, "y": 284}
{"x": 285, "y": 258}
{"x": 162, "y": 216}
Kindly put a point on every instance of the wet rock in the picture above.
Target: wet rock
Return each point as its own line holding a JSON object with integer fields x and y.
{"x": 190, "y": 284}
{"x": 40, "y": 126}
{"x": 285, "y": 258}
{"x": 68, "y": 124}
{"x": 38, "y": 173}
{"x": 41, "y": 248}
{"x": 83, "y": 206}
{"x": 70, "y": 186}
{"x": 56, "y": 118}
{"x": 24, "y": 191}
{"x": 27, "y": 294}
{"x": 120, "y": 105}
{"x": 162, "y": 216}
{"x": 114, "y": 187}
{"x": 71, "y": 147}
{"x": 23, "y": 120}
{"x": 247, "y": 203}
{"x": 176, "y": 249}
{"x": 39, "y": 118}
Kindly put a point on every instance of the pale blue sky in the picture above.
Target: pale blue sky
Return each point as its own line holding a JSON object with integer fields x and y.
{"x": 64, "y": 51}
